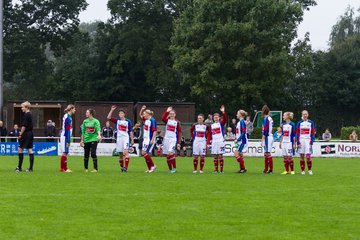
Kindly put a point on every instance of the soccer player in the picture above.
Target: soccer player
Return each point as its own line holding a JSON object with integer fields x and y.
{"x": 26, "y": 137}
{"x": 199, "y": 132}
{"x": 267, "y": 139}
{"x": 149, "y": 136}
{"x": 123, "y": 137}
{"x": 91, "y": 135}
{"x": 305, "y": 134}
{"x": 217, "y": 139}
{"x": 171, "y": 138}
{"x": 65, "y": 138}
{"x": 241, "y": 140}
{"x": 288, "y": 143}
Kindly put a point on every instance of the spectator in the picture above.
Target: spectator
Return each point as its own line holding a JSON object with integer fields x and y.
{"x": 14, "y": 133}
{"x": 107, "y": 133}
{"x": 137, "y": 131}
{"x": 209, "y": 119}
{"x": 50, "y": 131}
{"x": 326, "y": 136}
{"x": 182, "y": 147}
{"x": 277, "y": 135}
{"x": 3, "y": 132}
{"x": 353, "y": 136}
{"x": 158, "y": 143}
{"x": 249, "y": 127}
{"x": 233, "y": 126}
{"x": 229, "y": 136}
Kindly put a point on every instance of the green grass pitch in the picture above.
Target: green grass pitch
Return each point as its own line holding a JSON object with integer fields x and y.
{"x": 47, "y": 204}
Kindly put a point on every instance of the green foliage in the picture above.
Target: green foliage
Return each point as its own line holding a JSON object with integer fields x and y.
{"x": 227, "y": 51}
{"x": 346, "y": 131}
{"x": 34, "y": 32}
{"x": 257, "y": 133}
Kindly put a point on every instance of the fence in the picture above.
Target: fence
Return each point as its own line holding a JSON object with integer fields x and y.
{"x": 339, "y": 149}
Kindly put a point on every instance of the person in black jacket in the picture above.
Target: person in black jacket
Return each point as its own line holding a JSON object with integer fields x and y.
{"x": 14, "y": 133}
{"x": 107, "y": 133}
{"x": 3, "y": 132}
{"x": 50, "y": 131}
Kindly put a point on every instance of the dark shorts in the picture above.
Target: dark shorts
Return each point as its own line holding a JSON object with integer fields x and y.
{"x": 27, "y": 140}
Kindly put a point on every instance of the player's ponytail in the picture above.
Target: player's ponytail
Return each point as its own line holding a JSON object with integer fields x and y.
{"x": 151, "y": 113}
{"x": 69, "y": 108}
{"x": 265, "y": 110}
{"x": 243, "y": 113}
{"x": 290, "y": 115}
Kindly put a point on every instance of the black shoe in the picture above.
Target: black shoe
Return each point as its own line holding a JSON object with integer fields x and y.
{"x": 125, "y": 170}
{"x": 18, "y": 169}
{"x": 28, "y": 170}
{"x": 269, "y": 172}
{"x": 243, "y": 171}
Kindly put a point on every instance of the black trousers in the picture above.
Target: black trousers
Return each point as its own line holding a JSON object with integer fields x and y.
{"x": 90, "y": 150}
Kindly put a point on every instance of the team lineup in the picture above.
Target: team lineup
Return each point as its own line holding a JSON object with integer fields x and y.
{"x": 204, "y": 137}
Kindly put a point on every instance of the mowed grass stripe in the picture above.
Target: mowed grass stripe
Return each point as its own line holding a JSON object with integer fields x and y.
{"x": 48, "y": 204}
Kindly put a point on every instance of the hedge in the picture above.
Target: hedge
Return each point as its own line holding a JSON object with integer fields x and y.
{"x": 346, "y": 131}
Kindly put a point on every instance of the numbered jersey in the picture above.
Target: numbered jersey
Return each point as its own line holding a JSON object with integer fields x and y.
{"x": 199, "y": 132}
{"x": 241, "y": 131}
{"x": 288, "y": 132}
{"x": 149, "y": 128}
{"x": 305, "y": 130}
{"x": 123, "y": 127}
{"x": 267, "y": 126}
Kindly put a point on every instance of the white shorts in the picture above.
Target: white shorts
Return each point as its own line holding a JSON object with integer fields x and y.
{"x": 63, "y": 147}
{"x": 122, "y": 144}
{"x": 268, "y": 143}
{"x": 305, "y": 146}
{"x": 199, "y": 148}
{"x": 287, "y": 149}
{"x": 169, "y": 145}
{"x": 146, "y": 146}
{"x": 218, "y": 148}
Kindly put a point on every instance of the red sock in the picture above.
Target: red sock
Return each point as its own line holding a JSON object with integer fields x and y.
{"x": 221, "y": 163}
{"x": 271, "y": 163}
{"x": 158, "y": 152}
{"x": 195, "y": 163}
{"x": 121, "y": 161}
{"x": 216, "y": 164}
{"x": 291, "y": 163}
{"x": 286, "y": 164}
{"x": 149, "y": 161}
{"x": 168, "y": 161}
{"x": 63, "y": 162}
{"x": 127, "y": 160}
{"x": 302, "y": 164}
{"x": 241, "y": 162}
{"x": 202, "y": 162}
{"x": 173, "y": 161}
{"x": 309, "y": 162}
{"x": 266, "y": 162}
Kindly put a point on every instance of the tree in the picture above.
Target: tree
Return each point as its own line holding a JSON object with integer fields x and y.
{"x": 237, "y": 52}
{"x": 34, "y": 32}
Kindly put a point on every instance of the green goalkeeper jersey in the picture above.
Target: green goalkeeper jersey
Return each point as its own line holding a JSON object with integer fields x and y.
{"x": 90, "y": 129}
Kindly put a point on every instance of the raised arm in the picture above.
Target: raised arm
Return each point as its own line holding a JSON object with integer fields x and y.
{"x": 141, "y": 113}
{"x": 109, "y": 116}
{"x": 224, "y": 117}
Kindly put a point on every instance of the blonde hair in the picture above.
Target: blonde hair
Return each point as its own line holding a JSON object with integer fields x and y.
{"x": 26, "y": 104}
{"x": 149, "y": 112}
{"x": 304, "y": 111}
{"x": 69, "y": 108}
{"x": 290, "y": 115}
{"x": 243, "y": 113}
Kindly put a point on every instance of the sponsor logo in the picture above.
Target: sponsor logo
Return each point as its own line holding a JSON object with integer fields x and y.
{"x": 46, "y": 150}
{"x": 200, "y": 134}
{"x": 122, "y": 128}
{"x": 170, "y": 128}
{"x": 328, "y": 149}
{"x": 90, "y": 129}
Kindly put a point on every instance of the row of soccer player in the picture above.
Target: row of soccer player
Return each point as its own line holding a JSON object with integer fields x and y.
{"x": 204, "y": 137}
